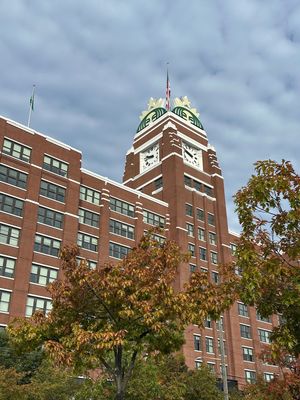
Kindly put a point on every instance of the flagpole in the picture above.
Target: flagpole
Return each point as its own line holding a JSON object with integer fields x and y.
{"x": 31, "y": 105}
{"x": 168, "y": 91}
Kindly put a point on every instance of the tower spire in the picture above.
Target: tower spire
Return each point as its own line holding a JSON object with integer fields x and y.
{"x": 168, "y": 91}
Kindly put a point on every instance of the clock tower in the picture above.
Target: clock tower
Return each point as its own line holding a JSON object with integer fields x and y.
{"x": 172, "y": 160}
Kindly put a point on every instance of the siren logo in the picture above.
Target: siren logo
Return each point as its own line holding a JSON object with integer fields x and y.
{"x": 151, "y": 117}
{"x": 188, "y": 116}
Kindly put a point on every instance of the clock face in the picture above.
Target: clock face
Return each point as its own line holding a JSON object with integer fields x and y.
{"x": 149, "y": 157}
{"x": 192, "y": 155}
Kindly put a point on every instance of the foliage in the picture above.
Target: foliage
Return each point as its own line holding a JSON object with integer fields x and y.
{"x": 30, "y": 376}
{"x": 269, "y": 247}
{"x": 107, "y": 317}
{"x": 24, "y": 363}
{"x": 52, "y": 383}
{"x": 160, "y": 378}
{"x": 10, "y": 387}
{"x": 284, "y": 388}
{"x": 201, "y": 385}
{"x": 47, "y": 383}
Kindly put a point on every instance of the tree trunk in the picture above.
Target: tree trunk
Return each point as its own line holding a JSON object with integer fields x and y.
{"x": 120, "y": 395}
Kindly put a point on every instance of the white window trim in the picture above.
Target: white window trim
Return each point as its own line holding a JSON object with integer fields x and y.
{"x": 53, "y": 183}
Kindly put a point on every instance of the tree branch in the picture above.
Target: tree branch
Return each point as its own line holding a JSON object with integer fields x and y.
{"x": 102, "y": 302}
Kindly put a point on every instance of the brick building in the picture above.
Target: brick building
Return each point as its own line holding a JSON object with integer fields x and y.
{"x": 172, "y": 178}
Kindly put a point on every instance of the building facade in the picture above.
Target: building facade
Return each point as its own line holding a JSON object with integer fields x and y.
{"x": 171, "y": 179}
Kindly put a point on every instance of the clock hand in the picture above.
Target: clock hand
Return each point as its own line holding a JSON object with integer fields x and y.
{"x": 150, "y": 156}
{"x": 190, "y": 154}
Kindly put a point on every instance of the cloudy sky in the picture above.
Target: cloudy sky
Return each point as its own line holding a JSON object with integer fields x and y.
{"x": 96, "y": 63}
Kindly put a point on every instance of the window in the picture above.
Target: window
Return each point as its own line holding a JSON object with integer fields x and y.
{"x": 9, "y": 235}
{"x": 46, "y": 245}
{"x": 158, "y": 183}
{"x": 208, "y": 190}
{"x": 119, "y": 228}
{"x": 245, "y": 331}
{"x": 268, "y": 376}
{"x": 50, "y": 217}
{"x": 202, "y": 251}
{"x": 211, "y": 219}
{"x": 213, "y": 257}
{"x": 160, "y": 239}
{"x": 197, "y": 186}
{"x": 190, "y": 229}
{"x": 191, "y": 249}
{"x": 200, "y": 214}
{"x": 215, "y": 277}
{"x": 197, "y": 342}
{"x": 193, "y": 268}
{"x": 198, "y": 364}
{"x": 56, "y": 166}
{"x": 243, "y": 310}
{"x": 117, "y": 250}
{"x": 248, "y": 354}
{"x": 87, "y": 242}
{"x": 233, "y": 248}
{"x": 121, "y": 207}
{"x": 209, "y": 345}
{"x": 153, "y": 219}
{"x": 264, "y": 336}
{"x": 187, "y": 181}
{"x": 42, "y": 275}
{"x": 208, "y": 323}
{"x": 90, "y": 195}
{"x": 250, "y": 376}
{"x": 88, "y": 217}
{"x": 7, "y": 266}
{"x": 211, "y": 366}
{"x": 205, "y": 270}
{"x": 4, "y": 300}
{"x": 53, "y": 191}
{"x": 201, "y": 234}
{"x": 16, "y": 150}
{"x": 189, "y": 210}
{"x": 37, "y": 304}
{"x": 91, "y": 264}
{"x": 218, "y": 324}
{"x": 263, "y": 319}
{"x": 13, "y": 177}
{"x": 11, "y": 205}
{"x": 212, "y": 238}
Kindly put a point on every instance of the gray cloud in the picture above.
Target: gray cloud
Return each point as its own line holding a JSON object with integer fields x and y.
{"x": 97, "y": 63}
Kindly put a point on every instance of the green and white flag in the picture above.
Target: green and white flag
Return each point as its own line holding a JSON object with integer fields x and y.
{"x": 31, "y": 105}
{"x": 31, "y": 102}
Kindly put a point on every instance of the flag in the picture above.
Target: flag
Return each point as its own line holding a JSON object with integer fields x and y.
{"x": 168, "y": 92}
{"x": 31, "y": 102}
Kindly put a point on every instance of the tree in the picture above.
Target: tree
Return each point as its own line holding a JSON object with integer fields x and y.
{"x": 10, "y": 387}
{"x": 160, "y": 377}
{"x": 287, "y": 388}
{"x": 25, "y": 364}
{"x": 105, "y": 318}
{"x": 269, "y": 248}
{"x": 31, "y": 376}
{"x": 201, "y": 385}
{"x": 52, "y": 383}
